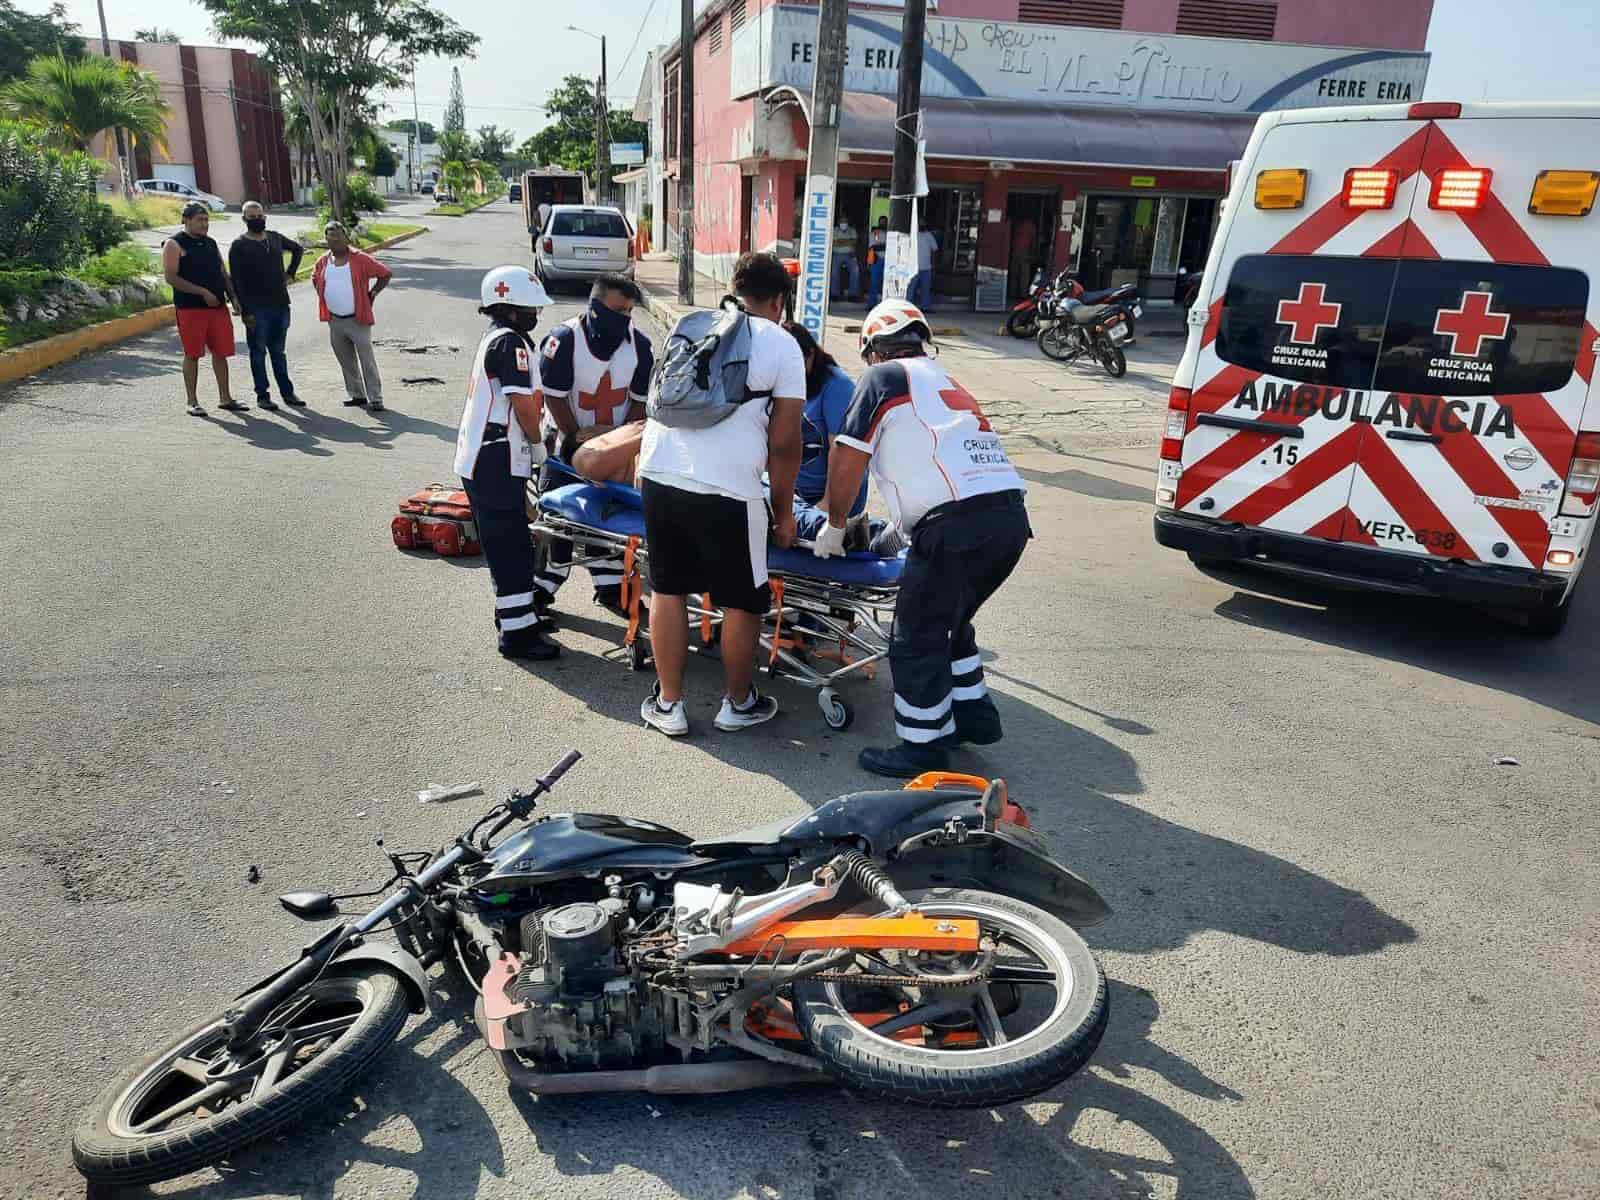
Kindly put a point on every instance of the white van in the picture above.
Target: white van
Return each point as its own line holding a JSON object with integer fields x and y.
{"x": 1387, "y": 377}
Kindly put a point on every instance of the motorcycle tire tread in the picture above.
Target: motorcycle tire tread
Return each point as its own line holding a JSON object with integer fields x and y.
{"x": 103, "y": 1157}
{"x": 864, "y": 1065}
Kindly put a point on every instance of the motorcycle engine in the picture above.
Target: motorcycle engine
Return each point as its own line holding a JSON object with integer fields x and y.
{"x": 584, "y": 1007}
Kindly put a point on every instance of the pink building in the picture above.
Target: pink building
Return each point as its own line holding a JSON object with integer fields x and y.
{"x": 1094, "y": 133}
{"x": 225, "y": 135}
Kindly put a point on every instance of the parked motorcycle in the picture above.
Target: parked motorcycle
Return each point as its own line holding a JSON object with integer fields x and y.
{"x": 1023, "y": 321}
{"x": 1074, "y": 329}
{"x": 915, "y": 944}
{"x": 1126, "y": 295}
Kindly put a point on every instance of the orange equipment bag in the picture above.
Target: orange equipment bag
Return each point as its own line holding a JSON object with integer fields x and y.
{"x": 437, "y": 518}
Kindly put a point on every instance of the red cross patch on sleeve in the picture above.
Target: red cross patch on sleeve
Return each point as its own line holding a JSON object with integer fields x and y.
{"x": 551, "y": 344}
{"x": 522, "y": 358}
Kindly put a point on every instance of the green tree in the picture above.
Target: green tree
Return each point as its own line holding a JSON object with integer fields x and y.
{"x": 47, "y": 201}
{"x": 455, "y": 115}
{"x": 74, "y": 100}
{"x": 383, "y": 160}
{"x": 155, "y": 34}
{"x": 24, "y": 37}
{"x": 494, "y": 143}
{"x": 429, "y": 133}
{"x": 333, "y": 56}
{"x": 568, "y": 140}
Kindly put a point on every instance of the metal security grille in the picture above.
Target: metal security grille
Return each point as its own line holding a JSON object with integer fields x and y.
{"x": 1097, "y": 14}
{"x": 736, "y": 16}
{"x": 1228, "y": 18}
{"x": 715, "y": 40}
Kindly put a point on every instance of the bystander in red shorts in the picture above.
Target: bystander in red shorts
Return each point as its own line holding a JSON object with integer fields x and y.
{"x": 202, "y": 329}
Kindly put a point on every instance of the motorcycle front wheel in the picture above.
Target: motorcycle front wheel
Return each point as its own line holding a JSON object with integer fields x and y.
{"x": 190, "y": 1103}
{"x": 1023, "y": 324}
{"x": 1111, "y": 358}
{"x": 1056, "y": 342}
{"x": 1034, "y": 1021}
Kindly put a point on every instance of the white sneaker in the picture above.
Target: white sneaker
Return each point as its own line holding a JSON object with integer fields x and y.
{"x": 755, "y": 711}
{"x": 671, "y": 719}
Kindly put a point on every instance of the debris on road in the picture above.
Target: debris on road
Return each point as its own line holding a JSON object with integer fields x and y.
{"x": 253, "y": 875}
{"x": 434, "y": 794}
{"x": 420, "y": 379}
{"x": 1505, "y": 760}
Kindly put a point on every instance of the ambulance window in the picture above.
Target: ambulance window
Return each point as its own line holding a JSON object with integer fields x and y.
{"x": 1311, "y": 318}
{"x": 1473, "y": 328}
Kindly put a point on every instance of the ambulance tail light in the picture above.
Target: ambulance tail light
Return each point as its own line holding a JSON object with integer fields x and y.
{"x": 1461, "y": 189}
{"x": 1564, "y": 193}
{"x": 1583, "y": 477}
{"x": 1283, "y": 187}
{"x": 1177, "y": 423}
{"x": 1434, "y": 110}
{"x": 1369, "y": 188}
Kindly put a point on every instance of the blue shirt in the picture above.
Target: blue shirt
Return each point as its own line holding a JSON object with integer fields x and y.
{"x": 820, "y": 422}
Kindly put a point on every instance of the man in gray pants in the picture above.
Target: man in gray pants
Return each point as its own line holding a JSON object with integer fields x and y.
{"x": 347, "y": 282}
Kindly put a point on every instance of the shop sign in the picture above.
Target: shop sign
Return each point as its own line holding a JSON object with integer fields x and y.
{"x": 816, "y": 239}
{"x": 1064, "y": 64}
{"x": 1142, "y": 181}
{"x": 627, "y": 153}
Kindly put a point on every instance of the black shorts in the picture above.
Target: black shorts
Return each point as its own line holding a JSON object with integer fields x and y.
{"x": 701, "y": 543}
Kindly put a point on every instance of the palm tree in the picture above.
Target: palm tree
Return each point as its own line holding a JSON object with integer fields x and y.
{"x": 74, "y": 101}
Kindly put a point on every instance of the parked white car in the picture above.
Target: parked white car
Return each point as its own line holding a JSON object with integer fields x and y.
{"x": 179, "y": 191}
{"x": 581, "y": 241}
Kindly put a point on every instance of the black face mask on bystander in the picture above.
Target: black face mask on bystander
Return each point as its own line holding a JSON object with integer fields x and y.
{"x": 256, "y": 224}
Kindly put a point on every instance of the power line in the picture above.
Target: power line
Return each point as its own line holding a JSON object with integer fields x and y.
{"x": 628, "y": 58}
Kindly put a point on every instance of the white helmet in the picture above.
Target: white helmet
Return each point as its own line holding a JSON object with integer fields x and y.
{"x": 895, "y": 321}
{"x": 513, "y": 285}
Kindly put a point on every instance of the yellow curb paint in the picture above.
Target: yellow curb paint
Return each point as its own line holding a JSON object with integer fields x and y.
{"x": 53, "y": 351}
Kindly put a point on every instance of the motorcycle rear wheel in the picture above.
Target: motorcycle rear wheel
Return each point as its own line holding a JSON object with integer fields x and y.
{"x": 973, "y": 1054}
{"x": 1111, "y": 358}
{"x": 1023, "y": 324}
{"x": 147, "y": 1125}
{"x": 1056, "y": 343}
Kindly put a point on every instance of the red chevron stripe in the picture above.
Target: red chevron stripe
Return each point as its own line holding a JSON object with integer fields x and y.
{"x": 1483, "y": 477}
{"x": 1405, "y": 240}
{"x": 1213, "y": 319}
{"x": 1389, "y": 475}
{"x": 1317, "y": 229}
{"x": 1493, "y": 225}
{"x": 1585, "y": 363}
{"x": 1316, "y": 468}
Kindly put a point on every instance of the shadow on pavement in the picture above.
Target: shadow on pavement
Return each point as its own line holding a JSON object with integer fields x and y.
{"x": 309, "y": 430}
{"x": 1087, "y": 484}
{"x": 1433, "y": 635}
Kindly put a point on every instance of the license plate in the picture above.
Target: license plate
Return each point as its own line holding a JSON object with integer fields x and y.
{"x": 591, "y": 252}
{"x": 1138, "y": 310}
{"x": 1119, "y": 332}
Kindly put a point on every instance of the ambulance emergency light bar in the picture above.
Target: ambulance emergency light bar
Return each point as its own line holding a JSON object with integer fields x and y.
{"x": 1369, "y": 188}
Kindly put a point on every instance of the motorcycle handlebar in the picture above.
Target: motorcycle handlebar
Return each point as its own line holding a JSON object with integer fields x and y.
{"x": 568, "y": 761}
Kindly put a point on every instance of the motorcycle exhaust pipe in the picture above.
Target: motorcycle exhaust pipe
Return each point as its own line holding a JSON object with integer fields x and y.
{"x": 671, "y": 1079}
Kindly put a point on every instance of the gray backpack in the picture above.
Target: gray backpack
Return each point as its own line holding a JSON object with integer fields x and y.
{"x": 701, "y": 376}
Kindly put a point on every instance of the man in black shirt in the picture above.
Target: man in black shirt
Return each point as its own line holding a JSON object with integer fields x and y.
{"x": 255, "y": 260}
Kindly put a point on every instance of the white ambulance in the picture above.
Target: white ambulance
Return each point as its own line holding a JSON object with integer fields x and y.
{"x": 1387, "y": 377}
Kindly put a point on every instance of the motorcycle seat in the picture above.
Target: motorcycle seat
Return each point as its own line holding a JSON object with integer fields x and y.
{"x": 1088, "y": 314}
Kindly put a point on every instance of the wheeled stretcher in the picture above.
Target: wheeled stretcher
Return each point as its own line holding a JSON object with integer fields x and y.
{"x": 830, "y": 618}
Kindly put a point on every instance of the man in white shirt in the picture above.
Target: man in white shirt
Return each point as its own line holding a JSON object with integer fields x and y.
{"x": 544, "y": 214}
{"x": 920, "y": 290}
{"x": 705, "y": 511}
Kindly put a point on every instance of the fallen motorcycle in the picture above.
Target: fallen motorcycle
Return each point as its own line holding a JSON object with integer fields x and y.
{"x": 916, "y": 945}
{"x": 1072, "y": 330}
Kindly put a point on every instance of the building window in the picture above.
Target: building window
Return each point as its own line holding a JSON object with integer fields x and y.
{"x": 714, "y": 41}
{"x": 736, "y": 16}
{"x": 1098, "y": 14}
{"x": 1228, "y": 18}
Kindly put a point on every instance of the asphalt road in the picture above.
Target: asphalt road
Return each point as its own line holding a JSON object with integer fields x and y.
{"x": 1353, "y": 957}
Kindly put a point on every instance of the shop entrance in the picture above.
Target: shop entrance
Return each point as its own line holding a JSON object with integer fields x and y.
{"x": 1031, "y": 232}
{"x": 953, "y": 213}
{"x": 1144, "y": 240}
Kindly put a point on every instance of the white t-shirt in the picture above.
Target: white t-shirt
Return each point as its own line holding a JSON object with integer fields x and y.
{"x": 338, "y": 293}
{"x": 927, "y": 243}
{"x": 728, "y": 458}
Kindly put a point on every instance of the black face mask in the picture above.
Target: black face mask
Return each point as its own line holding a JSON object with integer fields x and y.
{"x": 523, "y": 320}
{"x": 255, "y": 224}
{"x": 606, "y": 329}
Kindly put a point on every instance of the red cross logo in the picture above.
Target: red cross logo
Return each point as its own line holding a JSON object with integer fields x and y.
{"x": 958, "y": 399}
{"x": 1309, "y": 315}
{"x": 501, "y": 290}
{"x": 603, "y": 401}
{"x": 1469, "y": 326}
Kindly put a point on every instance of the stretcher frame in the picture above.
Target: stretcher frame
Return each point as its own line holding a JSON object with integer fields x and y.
{"x": 855, "y": 618}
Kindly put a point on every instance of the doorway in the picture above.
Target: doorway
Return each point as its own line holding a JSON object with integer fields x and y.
{"x": 747, "y": 212}
{"x": 1030, "y": 225}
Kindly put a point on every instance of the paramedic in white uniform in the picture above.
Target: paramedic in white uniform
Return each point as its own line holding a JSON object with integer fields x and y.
{"x": 496, "y": 449}
{"x": 952, "y": 490}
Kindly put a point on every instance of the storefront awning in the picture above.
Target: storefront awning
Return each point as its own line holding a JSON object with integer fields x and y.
{"x": 1057, "y": 134}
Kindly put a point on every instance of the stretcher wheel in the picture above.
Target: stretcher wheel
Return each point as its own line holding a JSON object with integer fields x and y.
{"x": 638, "y": 655}
{"x": 835, "y": 711}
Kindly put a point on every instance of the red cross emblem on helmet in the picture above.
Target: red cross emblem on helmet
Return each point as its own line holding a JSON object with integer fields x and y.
{"x": 501, "y": 290}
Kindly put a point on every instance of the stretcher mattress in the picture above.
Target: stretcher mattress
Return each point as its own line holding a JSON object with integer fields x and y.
{"x": 615, "y": 508}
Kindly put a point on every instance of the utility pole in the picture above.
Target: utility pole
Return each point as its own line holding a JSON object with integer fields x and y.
{"x": 122, "y": 149}
{"x": 416, "y": 133}
{"x": 822, "y": 167}
{"x": 903, "y": 185}
{"x": 686, "y": 153}
{"x": 602, "y": 132}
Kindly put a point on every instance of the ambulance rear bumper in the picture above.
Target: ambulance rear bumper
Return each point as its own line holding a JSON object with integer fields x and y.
{"x": 1360, "y": 567}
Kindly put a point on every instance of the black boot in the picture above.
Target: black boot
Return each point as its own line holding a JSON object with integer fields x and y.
{"x": 529, "y": 644}
{"x": 905, "y": 761}
{"x": 977, "y": 723}
{"x": 610, "y": 599}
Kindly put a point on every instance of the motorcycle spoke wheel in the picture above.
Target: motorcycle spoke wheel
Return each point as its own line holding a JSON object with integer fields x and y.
{"x": 195, "y": 1101}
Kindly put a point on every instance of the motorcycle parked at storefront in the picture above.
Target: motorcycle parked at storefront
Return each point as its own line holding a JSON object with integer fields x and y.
{"x": 1023, "y": 320}
{"x": 1069, "y": 329}
{"x": 915, "y": 945}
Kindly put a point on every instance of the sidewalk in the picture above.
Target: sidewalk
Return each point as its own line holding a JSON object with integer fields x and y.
{"x": 1022, "y": 392}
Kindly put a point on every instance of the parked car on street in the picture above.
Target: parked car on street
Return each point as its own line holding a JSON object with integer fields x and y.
{"x": 514, "y": 192}
{"x": 427, "y": 187}
{"x": 581, "y": 242}
{"x": 179, "y": 190}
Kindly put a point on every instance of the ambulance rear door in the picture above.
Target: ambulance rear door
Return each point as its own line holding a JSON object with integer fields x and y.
{"x": 1486, "y": 358}
{"x": 1285, "y": 370}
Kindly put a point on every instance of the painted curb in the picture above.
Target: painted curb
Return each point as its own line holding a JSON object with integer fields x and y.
{"x": 63, "y": 347}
